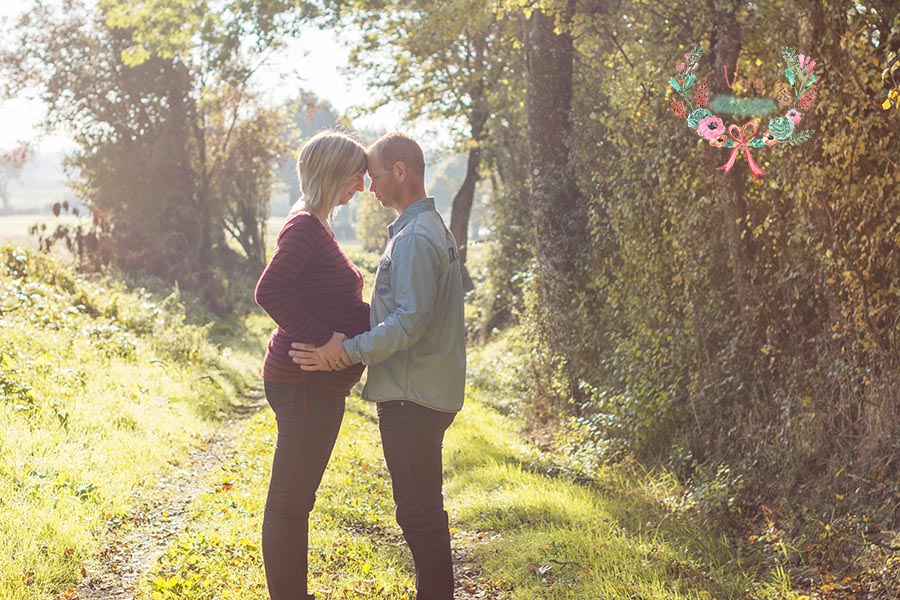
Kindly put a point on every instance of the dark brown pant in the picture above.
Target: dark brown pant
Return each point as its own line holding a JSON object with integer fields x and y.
{"x": 412, "y": 436}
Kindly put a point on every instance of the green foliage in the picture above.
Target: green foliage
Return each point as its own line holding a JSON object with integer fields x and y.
{"x": 455, "y": 61}
{"x": 174, "y": 150}
{"x": 102, "y": 389}
{"x": 372, "y": 220}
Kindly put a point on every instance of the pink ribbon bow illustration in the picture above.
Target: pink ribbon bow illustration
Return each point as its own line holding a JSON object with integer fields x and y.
{"x": 741, "y": 138}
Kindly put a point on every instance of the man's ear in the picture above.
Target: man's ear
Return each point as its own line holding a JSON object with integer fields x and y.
{"x": 400, "y": 171}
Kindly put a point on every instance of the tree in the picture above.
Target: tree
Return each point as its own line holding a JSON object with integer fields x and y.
{"x": 372, "y": 220}
{"x": 557, "y": 205}
{"x": 448, "y": 55}
{"x": 174, "y": 150}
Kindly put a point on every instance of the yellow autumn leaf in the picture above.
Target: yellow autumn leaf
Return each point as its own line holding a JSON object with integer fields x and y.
{"x": 887, "y": 104}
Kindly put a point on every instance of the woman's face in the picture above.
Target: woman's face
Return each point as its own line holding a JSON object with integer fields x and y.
{"x": 356, "y": 184}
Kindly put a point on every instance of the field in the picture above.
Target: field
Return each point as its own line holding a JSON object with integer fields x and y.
{"x": 14, "y": 228}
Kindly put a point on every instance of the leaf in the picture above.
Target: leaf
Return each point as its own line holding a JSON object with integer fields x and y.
{"x": 811, "y": 81}
{"x": 801, "y": 136}
{"x": 790, "y": 58}
{"x": 674, "y": 83}
{"x": 790, "y": 75}
{"x": 135, "y": 56}
{"x": 690, "y": 82}
{"x": 695, "y": 55}
{"x": 886, "y": 105}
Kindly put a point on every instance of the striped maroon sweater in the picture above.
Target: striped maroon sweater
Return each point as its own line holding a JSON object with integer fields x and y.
{"x": 311, "y": 290}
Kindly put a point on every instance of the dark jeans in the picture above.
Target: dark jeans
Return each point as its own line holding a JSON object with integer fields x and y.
{"x": 412, "y": 436}
{"x": 308, "y": 424}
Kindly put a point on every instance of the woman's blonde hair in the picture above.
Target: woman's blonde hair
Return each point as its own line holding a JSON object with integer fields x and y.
{"x": 327, "y": 162}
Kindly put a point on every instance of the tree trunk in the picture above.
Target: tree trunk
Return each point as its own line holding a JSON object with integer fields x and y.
{"x": 462, "y": 201}
{"x": 462, "y": 209}
{"x": 725, "y": 49}
{"x": 558, "y": 209}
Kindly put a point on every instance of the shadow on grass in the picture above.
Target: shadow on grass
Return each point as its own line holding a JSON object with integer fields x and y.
{"x": 602, "y": 537}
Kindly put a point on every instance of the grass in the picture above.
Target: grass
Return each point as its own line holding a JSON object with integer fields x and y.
{"x": 536, "y": 529}
{"x": 354, "y": 552}
{"x": 559, "y": 538}
{"x": 101, "y": 390}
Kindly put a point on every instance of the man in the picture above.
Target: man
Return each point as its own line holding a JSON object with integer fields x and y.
{"x": 415, "y": 352}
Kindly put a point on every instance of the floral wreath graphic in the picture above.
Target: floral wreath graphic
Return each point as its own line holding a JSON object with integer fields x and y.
{"x": 800, "y": 96}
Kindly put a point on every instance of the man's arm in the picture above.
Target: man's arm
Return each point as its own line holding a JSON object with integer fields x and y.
{"x": 414, "y": 271}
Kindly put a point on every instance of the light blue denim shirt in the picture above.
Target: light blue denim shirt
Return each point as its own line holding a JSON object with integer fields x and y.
{"x": 416, "y": 349}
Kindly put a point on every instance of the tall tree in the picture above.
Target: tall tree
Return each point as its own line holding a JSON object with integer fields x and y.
{"x": 173, "y": 149}
{"x": 447, "y": 57}
{"x": 725, "y": 48}
{"x": 557, "y": 205}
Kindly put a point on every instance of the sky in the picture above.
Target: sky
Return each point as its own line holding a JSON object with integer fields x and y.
{"x": 313, "y": 62}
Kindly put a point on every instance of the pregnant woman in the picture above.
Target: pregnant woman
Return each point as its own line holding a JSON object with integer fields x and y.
{"x": 313, "y": 293}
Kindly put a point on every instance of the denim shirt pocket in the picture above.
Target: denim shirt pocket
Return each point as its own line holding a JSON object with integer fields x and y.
{"x": 383, "y": 277}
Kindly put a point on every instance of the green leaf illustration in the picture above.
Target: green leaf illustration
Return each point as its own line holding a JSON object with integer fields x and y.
{"x": 790, "y": 75}
{"x": 674, "y": 83}
{"x": 790, "y": 58}
{"x": 695, "y": 55}
{"x": 690, "y": 82}
{"x": 801, "y": 136}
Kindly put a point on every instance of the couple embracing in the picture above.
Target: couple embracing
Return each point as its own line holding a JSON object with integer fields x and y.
{"x": 411, "y": 338}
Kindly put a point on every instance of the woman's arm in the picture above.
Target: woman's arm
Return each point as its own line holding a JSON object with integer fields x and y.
{"x": 276, "y": 291}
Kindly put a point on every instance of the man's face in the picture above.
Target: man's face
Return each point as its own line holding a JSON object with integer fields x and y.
{"x": 383, "y": 183}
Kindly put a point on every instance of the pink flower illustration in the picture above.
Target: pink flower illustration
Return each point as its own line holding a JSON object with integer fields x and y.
{"x": 794, "y": 115}
{"x": 683, "y": 67}
{"x": 710, "y": 128}
{"x": 806, "y": 62}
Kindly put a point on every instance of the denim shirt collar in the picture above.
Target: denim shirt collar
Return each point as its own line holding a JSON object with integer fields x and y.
{"x": 419, "y": 206}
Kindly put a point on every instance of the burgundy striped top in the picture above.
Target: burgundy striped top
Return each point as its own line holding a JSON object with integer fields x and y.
{"x": 310, "y": 289}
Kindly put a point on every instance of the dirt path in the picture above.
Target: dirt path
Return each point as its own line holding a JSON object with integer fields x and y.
{"x": 159, "y": 515}
{"x": 471, "y": 584}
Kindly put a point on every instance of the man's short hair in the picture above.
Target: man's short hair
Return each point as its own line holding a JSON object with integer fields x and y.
{"x": 394, "y": 147}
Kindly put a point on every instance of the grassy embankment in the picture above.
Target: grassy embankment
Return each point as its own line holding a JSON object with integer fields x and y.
{"x": 102, "y": 390}
{"x": 532, "y": 526}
